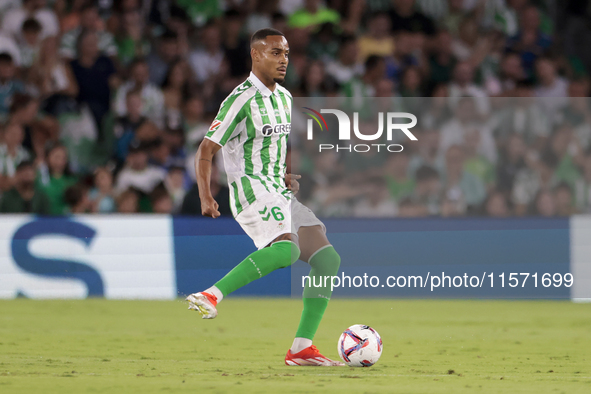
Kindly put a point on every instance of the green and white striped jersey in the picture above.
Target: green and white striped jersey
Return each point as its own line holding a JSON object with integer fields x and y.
{"x": 252, "y": 127}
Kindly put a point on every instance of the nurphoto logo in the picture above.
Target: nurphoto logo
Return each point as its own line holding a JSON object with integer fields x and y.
{"x": 344, "y": 131}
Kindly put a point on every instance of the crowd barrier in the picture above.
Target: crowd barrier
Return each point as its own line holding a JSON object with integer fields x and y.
{"x": 164, "y": 257}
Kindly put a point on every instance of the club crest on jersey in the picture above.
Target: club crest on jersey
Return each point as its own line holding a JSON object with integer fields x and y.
{"x": 214, "y": 126}
{"x": 282, "y": 128}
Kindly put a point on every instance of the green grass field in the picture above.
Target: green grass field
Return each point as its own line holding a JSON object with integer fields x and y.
{"x": 99, "y": 346}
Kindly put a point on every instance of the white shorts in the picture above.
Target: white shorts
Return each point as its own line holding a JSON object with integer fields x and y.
{"x": 272, "y": 215}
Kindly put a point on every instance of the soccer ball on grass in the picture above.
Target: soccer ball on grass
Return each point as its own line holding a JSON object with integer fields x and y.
{"x": 360, "y": 346}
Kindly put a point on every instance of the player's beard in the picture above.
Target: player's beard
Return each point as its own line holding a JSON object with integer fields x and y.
{"x": 279, "y": 80}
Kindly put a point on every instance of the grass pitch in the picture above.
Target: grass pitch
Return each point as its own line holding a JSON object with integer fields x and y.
{"x": 99, "y": 346}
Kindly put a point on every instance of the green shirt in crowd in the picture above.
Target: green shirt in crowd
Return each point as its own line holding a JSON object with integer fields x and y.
{"x": 12, "y": 202}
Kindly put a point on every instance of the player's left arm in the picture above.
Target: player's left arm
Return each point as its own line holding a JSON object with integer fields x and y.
{"x": 292, "y": 183}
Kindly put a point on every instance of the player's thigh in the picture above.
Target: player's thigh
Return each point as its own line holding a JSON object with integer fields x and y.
{"x": 266, "y": 220}
{"x": 311, "y": 238}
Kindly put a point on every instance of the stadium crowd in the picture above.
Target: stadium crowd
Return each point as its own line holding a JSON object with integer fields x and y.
{"x": 104, "y": 103}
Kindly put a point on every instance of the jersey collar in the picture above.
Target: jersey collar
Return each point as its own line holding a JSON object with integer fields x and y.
{"x": 265, "y": 91}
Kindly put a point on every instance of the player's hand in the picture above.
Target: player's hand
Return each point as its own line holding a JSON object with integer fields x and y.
{"x": 292, "y": 184}
{"x": 209, "y": 207}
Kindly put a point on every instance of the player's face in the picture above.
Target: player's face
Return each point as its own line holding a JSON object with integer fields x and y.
{"x": 272, "y": 56}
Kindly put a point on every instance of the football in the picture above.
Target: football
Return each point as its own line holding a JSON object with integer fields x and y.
{"x": 360, "y": 346}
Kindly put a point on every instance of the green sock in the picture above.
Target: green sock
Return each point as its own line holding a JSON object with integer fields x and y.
{"x": 258, "y": 264}
{"x": 324, "y": 263}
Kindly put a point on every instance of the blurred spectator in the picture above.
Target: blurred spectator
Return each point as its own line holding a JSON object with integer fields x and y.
{"x": 201, "y": 11}
{"x": 55, "y": 177}
{"x": 496, "y": 205}
{"x": 543, "y": 204}
{"x": 89, "y": 22}
{"x": 130, "y": 41}
{"x": 407, "y": 208}
{"x": 563, "y": 198}
{"x": 524, "y": 116}
{"x": 260, "y": 16}
{"x": 312, "y": 15}
{"x": 511, "y": 162}
{"x": 236, "y": 46}
{"x": 463, "y": 85}
{"x": 12, "y": 153}
{"x": 404, "y": 56}
{"x": 324, "y": 45}
{"x": 220, "y": 192}
{"x": 427, "y": 153}
{"x": 131, "y": 127}
{"x": 194, "y": 126}
{"x": 174, "y": 140}
{"x": 71, "y": 19}
{"x": 39, "y": 129}
{"x": 475, "y": 163}
{"x": 411, "y": 83}
{"x": 404, "y": 16}
{"x": 397, "y": 178}
{"x": 160, "y": 59}
{"x": 346, "y": 66}
{"x": 376, "y": 203}
{"x": 8, "y": 45}
{"x": 551, "y": 86}
{"x": 128, "y": 202}
{"x": 14, "y": 18}
{"x": 530, "y": 42}
{"x": 161, "y": 201}
{"x": 76, "y": 198}
{"x": 102, "y": 195}
{"x": 25, "y": 196}
{"x": 315, "y": 82}
{"x": 378, "y": 40}
{"x": 174, "y": 184}
{"x": 152, "y": 98}
{"x": 206, "y": 61}
{"x": 176, "y": 88}
{"x": 539, "y": 175}
{"x": 365, "y": 85}
{"x": 94, "y": 75}
{"x": 466, "y": 120}
{"x": 9, "y": 85}
{"x": 511, "y": 72}
{"x": 442, "y": 60}
{"x": 30, "y": 42}
{"x": 53, "y": 80}
{"x": 428, "y": 189}
{"x": 137, "y": 173}
{"x": 461, "y": 188}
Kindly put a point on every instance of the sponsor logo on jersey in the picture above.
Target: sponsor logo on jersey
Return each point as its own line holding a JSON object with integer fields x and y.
{"x": 214, "y": 126}
{"x": 282, "y": 128}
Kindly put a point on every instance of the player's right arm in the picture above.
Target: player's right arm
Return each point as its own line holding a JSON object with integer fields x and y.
{"x": 228, "y": 124}
{"x": 203, "y": 159}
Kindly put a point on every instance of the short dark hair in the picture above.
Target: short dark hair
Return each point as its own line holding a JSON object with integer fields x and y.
{"x": 372, "y": 61}
{"x": 31, "y": 25}
{"x": 25, "y": 164}
{"x": 19, "y": 101}
{"x": 74, "y": 194}
{"x": 5, "y": 57}
{"x": 169, "y": 35}
{"x": 261, "y": 34}
{"x": 426, "y": 173}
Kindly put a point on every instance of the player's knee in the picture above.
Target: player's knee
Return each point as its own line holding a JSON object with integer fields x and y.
{"x": 294, "y": 253}
{"x": 327, "y": 261}
{"x": 290, "y": 253}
